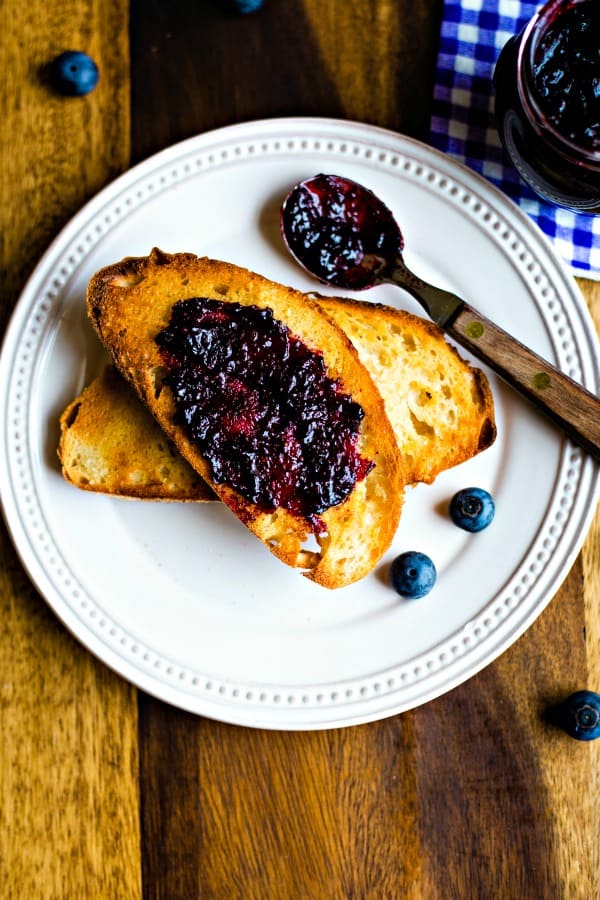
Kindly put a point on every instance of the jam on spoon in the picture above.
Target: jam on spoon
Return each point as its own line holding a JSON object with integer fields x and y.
{"x": 344, "y": 235}
{"x": 340, "y": 231}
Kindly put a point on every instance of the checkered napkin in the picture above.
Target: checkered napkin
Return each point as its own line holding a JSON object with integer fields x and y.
{"x": 462, "y": 122}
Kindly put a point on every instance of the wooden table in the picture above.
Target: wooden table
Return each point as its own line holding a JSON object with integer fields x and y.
{"x": 106, "y": 792}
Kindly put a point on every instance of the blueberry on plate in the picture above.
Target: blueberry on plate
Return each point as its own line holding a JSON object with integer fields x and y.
{"x": 578, "y": 715}
{"x": 74, "y": 73}
{"x": 472, "y": 509}
{"x": 412, "y": 574}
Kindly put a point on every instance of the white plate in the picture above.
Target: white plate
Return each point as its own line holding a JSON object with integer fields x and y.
{"x": 181, "y": 599}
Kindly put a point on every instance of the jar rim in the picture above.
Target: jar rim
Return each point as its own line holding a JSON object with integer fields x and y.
{"x": 534, "y": 29}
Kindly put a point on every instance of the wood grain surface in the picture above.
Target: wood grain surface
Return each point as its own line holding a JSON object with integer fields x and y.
{"x": 109, "y": 793}
{"x": 69, "y": 822}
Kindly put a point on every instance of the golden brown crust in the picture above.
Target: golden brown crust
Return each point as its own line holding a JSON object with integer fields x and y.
{"x": 110, "y": 444}
{"x": 130, "y": 302}
{"x": 399, "y": 349}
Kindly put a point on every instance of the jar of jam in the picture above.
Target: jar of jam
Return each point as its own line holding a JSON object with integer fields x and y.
{"x": 547, "y": 83}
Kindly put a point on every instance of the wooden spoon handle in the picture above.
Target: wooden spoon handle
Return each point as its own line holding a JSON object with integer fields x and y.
{"x": 567, "y": 403}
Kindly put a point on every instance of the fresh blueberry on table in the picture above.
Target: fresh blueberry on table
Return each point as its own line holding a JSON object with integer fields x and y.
{"x": 578, "y": 715}
{"x": 412, "y": 574}
{"x": 74, "y": 73}
{"x": 245, "y": 6}
{"x": 472, "y": 509}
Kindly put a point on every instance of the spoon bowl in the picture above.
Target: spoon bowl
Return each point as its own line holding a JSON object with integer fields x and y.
{"x": 341, "y": 232}
{"x": 346, "y": 237}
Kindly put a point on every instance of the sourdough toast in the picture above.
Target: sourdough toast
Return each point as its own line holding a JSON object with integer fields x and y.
{"x": 440, "y": 407}
{"x": 131, "y": 304}
{"x": 110, "y": 444}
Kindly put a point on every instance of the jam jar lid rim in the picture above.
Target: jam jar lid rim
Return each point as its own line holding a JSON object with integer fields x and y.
{"x": 578, "y": 153}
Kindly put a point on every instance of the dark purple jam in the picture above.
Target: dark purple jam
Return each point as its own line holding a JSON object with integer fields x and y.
{"x": 566, "y": 73}
{"x": 547, "y": 82}
{"x": 258, "y": 404}
{"x": 340, "y": 231}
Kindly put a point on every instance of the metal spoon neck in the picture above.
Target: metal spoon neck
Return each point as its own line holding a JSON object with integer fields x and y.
{"x": 442, "y": 306}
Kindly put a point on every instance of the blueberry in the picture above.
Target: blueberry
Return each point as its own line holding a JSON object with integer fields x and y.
{"x": 412, "y": 574}
{"x": 578, "y": 715}
{"x": 245, "y": 6}
{"x": 74, "y": 73}
{"x": 472, "y": 509}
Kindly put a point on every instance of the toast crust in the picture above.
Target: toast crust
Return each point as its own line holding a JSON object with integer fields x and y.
{"x": 129, "y": 304}
{"x": 440, "y": 407}
{"x": 110, "y": 444}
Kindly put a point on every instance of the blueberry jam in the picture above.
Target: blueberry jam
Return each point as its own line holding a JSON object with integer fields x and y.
{"x": 340, "y": 231}
{"x": 547, "y": 84}
{"x": 566, "y": 73}
{"x": 258, "y": 404}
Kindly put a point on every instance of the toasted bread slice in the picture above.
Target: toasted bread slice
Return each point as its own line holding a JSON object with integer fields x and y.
{"x": 441, "y": 408}
{"x": 109, "y": 443}
{"x": 131, "y": 303}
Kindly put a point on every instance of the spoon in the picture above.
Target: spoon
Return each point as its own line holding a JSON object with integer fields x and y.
{"x": 344, "y": 235}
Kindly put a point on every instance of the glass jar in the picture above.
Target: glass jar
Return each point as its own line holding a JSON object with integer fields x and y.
{"x": 547, "y": 83}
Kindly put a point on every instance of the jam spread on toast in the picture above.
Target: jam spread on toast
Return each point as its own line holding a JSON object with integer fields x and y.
{"x": 260, "y": 407}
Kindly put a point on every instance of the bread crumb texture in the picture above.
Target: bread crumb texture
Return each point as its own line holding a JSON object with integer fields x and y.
{"x": 130, "y": 303}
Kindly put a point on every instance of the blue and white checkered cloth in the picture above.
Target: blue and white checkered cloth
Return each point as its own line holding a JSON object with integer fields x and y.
{"x": 462, "y": 122}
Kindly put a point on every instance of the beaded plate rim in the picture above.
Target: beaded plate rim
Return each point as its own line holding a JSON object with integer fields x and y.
{"x": 379, "y": 694}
